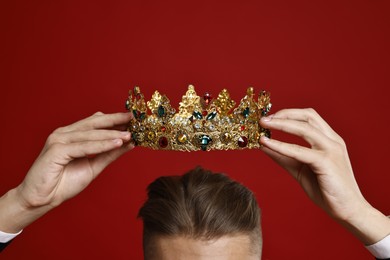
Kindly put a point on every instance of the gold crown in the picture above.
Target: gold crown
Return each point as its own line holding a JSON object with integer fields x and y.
{"x": 201, "y": 123}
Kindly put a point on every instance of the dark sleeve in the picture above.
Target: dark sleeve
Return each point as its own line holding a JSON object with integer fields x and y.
{"x": 4, "y": 245}
{"x": 382, "y": 259}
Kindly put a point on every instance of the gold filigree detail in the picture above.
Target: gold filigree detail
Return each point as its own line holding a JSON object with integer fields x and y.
{"x": 190, "y": 102}
{"x": 136, "y": 102}
{"x": 264, "y": 102}
{"x": 160, "y": 105}
{"x": 247, "y": 109}
{"x": 155, "y": 102}
{"x": 224, "y": 103}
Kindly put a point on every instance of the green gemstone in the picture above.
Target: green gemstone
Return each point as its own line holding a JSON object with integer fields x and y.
{"x": 197, "y": 115}
{"x": 245, "y": 113}
{"x": 142, "y": 116}
{"x": 211, "y": 115}
{"x": 134, "y": 137}
{"x": 161, "y": 111}
{"x": 203, "y": 147}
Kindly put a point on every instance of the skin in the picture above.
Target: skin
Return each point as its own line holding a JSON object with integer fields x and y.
{"x": 65, "y": 167}
{"x": 185, "y": 248}
{"x": 324, "y": 171}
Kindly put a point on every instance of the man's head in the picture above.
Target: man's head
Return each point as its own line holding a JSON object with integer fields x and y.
{"x": 200, "y": 215}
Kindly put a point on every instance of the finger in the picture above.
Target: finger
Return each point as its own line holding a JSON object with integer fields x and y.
{"x": 287, "y": 163}
{"x": 302, "y": 129}
{"x": 296, "y": 170}
{"x": 100, "y": 162}
{"x": 99, "y": 121}
{"x": 89, "y": 135}
{"x": 297, "y": 152}
{"x": 67, "y": 152}
{"x": 122, "y": 127}
{"x": 306, "y": 115}
{"x": 310, "y": 116}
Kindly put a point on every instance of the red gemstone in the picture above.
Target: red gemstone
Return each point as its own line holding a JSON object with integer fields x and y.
{"x": 163, "y": 142}
{"x": 207, "y": 98}
{"x": 163, "y": 128}
{"x": 138, "y": 96}
{"x": 242, "y": 128}
{"x": 242, "y": 141}
{"x": 204, "y": 113}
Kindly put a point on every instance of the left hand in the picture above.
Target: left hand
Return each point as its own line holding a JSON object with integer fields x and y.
{"x": 324, "y": 171}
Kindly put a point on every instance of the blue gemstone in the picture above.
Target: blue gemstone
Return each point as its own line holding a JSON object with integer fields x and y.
{"x": 161, "y": 111}
{"x": 211, "y": 115}
{"x": 197, "y": 115}
{"x": 245, "y": 113}
{"x": 205, "y": 140}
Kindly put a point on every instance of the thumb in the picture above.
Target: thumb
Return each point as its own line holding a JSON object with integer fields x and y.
{"x": 101, "y": 161}
{"x": 287, "y": 163}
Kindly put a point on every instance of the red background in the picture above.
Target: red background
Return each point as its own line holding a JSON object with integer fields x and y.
{"x": 61, "y": 61}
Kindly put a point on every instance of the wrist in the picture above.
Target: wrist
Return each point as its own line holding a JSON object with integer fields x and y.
{"x": 368, "y": 224}
{"x": 15, "y": 215}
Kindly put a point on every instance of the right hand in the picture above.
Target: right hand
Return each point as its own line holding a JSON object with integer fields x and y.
{"x": 71, "y": 159}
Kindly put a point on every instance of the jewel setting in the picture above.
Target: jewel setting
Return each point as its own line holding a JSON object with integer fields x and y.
{"x": 202, "y": 123}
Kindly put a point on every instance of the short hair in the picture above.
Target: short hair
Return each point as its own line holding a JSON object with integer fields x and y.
{"x": 199, "y": 205}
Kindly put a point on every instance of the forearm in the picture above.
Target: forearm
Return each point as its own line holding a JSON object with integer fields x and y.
{"x": 14, "y": 216}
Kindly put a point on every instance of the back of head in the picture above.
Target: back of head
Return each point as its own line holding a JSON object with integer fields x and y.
{"x": 199, "y": 205}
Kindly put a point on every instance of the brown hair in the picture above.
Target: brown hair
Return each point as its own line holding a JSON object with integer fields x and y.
{"x": 201, "y": 205}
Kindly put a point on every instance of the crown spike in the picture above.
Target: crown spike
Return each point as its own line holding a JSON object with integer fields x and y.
{"x": 264, "y": 102}
{"x": 224, "y": 103}
{"x": 190, "y": 102}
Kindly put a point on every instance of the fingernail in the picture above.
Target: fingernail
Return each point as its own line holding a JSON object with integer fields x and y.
{"x": 117, "y": 141}
{"x": 265, "y": 139}
{"x": 125, "y": 133}
{"x": 130, "y": 144}
{"x": 267, "y": 118}
{"x": 130, "y": 114}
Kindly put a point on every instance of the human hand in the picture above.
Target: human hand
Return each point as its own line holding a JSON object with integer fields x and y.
{"x": 71, "y": 159}
{"x": 324, "y": 171}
